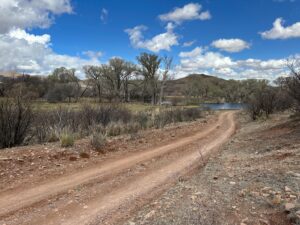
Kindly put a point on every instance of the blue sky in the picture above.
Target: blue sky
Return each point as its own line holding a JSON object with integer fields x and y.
{"x": 231, "y": 39}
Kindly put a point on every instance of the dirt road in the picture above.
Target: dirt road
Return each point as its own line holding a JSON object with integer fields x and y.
{"x": 109, "y": 192}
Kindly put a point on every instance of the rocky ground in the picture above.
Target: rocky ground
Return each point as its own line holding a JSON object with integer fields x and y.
{"x": 254, "y": 180}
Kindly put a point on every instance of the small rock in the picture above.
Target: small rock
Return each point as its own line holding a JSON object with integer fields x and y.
{"x": 255, "y": 193}
{"x": 287, "y": 189}
{"x": 150, "y": 214}
{"x": 276, "y": 200}
{"x": 266, "y": 189}
{"x": 21, "y": 160}
{"x": 193, "y": 197}
{"x": 293, "y": 196}
{"x": 84, "y": 155}
{"x": 242, "y": 193}
{"x": 266, "y": 195}
{"x": 73, "y": 158}
{"x": 289, "y": 206}
{"x": 85, "y": 207}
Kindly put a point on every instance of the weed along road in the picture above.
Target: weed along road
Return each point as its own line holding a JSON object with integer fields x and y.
{"x": 108, "y": 193}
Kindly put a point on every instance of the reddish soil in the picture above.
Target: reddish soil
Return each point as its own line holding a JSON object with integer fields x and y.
{"x": 49, "y": 186}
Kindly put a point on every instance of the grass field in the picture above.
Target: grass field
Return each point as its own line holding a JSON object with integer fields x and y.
{"x": 132, "y": 106}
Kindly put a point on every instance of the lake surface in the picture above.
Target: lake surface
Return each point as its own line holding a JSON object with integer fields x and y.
{"x": 220, "y": 106}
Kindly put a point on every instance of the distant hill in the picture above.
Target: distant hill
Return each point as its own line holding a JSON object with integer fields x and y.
{"x": 177, "y": 87}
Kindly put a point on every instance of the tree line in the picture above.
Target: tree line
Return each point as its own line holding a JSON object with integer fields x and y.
{"x": 150, "y": 80}
{"x": 116, "y": 81}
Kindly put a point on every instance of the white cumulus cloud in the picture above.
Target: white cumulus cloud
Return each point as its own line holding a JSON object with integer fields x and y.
{"x": 191, "y": 11}
{"x": 280, "y": 32}
{"x": 28, "y": 14}
{"x": 30, "y": 38}
{"x": 194, "y": 53}
{"x": 36, "y": 57}
{"x": 21, "y": 51}
{"x": 163, "y": 41}
{"x": 199, "y": 60}
{"x": 231, "y": 45}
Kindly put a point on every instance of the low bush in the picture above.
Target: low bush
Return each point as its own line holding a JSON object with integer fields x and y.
{"x": 175, "y": 115}
{"x": 267, "y": 100}
{"x": 67, "y": 139}
{"x": 15, "y": 121}
{"x": 98, "y": 141}
{"x": 115, "y": 128}
{"x": 19, "y": 124}
{"x": 132, "y": 128}
{"x": 143, "y": 119}
{"x": 53, "y": 135}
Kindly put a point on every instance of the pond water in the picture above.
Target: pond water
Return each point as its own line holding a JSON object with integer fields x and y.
{"x": 220, "y": 106}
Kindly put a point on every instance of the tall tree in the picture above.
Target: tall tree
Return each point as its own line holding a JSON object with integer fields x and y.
{"x": 115, "y": 77}
{"x": 293, "y": 82}
{"x": 150, "y": 64}
{"x": 167, "y": 62}
{"x": 63, "y": 75}
{"x": 96, "y": 74}
{"x": 130, "y": 71}
{"x": 66, "y": 81}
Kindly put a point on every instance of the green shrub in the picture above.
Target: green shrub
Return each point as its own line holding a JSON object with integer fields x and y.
{"x": 67, "y": 140}
{"x": 143, "y": 119}
{"x": 98, "y": 141}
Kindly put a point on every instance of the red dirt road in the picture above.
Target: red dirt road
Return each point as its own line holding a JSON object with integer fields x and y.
{"x": 119, "y": 197}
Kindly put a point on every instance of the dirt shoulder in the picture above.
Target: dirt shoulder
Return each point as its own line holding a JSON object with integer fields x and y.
{"x": 255, "y": 179}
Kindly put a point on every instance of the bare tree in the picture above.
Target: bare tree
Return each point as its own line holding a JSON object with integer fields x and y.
{"x": 293, "y": 82}
{"x": 63, "y": 75}
{"x": 167, "y": 61}
{"x": 66, "y": 78}
{"x": 130, "y": 71}
{"x": 15, "y": 120}
{"x": 118, "y": 75}
{"x": 96, "y": 74}
{"x": 150, "y": 64}
{"x": 115, "y": 76}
